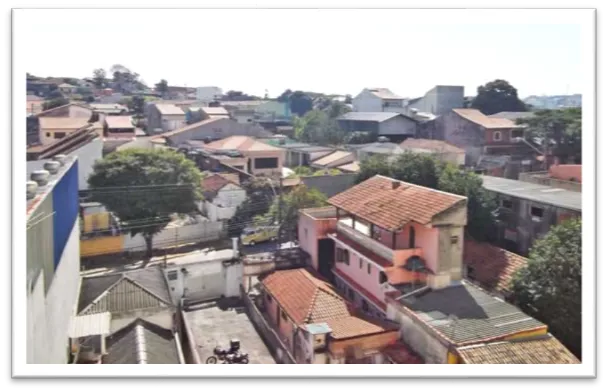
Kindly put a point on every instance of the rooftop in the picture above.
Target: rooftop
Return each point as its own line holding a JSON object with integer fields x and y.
{"x": 493, "y": 267}
{"x": 466, "y": 314}
{"x": 391, "y": 204}
{"x": 382, "y": 148}
{"x": 215, "y": 111}
{"x": 215, "y": 323}
{"x": 240, "y": 143}
{"x": 539, "y": 350}
{"x": 214, "y": 182}
{"x": 539, "y": 193}
{"x": 353, "y": 167}
{"x": 114, "y": 122}
{"x": 308, "y": 299}
{"x": 58, "y": 108}
{"x": 479, "y": 118}
{"x": 186, "y": 128}
{"x": 140, "y": 343}
{"x": 169, "y": 109}
{"x": 124, "y": 292}
{"x": 512, "y": 116}
{"x": 333, "y": 157}
{"x": 436, "y": 146}
{"x": 382, "y": 92}
{"x": 63, "y": 123}
{"x": 368, "y": 116}
{"x": 43, "y": 191}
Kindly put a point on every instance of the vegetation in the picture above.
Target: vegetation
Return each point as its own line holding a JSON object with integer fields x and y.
{"x": 162, "y": 87}
{"x": 561, "y": 128}
{"x": 125, "y": 81}
{"x": 144, "y": 187}
{"x": 317, "y": 127}
{"x": 549, "y": 288}
{"x": 327, "y": 172}
{"x": 497, "y": 96}
{"x": 53, "y": 103}
{"x": 300, "y": 103}
{"x": 425, "y": 170}
{"x": 259, "y": 198}
{"x": 99, "y": 77}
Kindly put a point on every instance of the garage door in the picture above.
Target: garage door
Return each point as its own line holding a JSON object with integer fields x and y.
{"x": 204, "y": 284}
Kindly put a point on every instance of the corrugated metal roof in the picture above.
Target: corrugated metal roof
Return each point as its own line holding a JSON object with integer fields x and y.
{"x": 90, "y": 325}
{"x": 141, "y": 343}
{"x": 368, "y": 116}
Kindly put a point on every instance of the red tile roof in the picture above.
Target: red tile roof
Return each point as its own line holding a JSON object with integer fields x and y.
{"x": 391, "y": 204}
{"x": 214, "y": 183}
{"x": 493, "y": 266}
{"x": 437, "y": 146}
{"x": 307, "y": 299}
{"x": 479, "y": 118}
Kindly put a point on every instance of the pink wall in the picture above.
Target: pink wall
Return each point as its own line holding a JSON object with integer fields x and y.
{"x": 308, "y": 237}
{"x": 566, "y": 172}
{"x": 369, "y": 282}
{"x": 284, "y": 328}
{"x": 427, "y": 239}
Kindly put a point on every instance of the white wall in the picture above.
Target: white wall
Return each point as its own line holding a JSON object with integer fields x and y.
{"x": 208, "y": 93}
{"x": 208, "y": 279}
{"x": 49, "y": 319}
{"x": 216, "y": 213}
{"x": 203, "y": 231}
{"x": 230, "y": 195}
{"x": 367, "y": 102}
{"x": 87, "y": 155}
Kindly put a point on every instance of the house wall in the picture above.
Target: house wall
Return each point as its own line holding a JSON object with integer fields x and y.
{"x": 252, "y": 155}
{"x": 566, "y": 172}
{"x": 38, "y": 342}
{"x": 285, "y": 328}
{"x": 308, "y": 235}
{"x": 356, "y": 298}
{"x": 216, "y": 213}
{"x": 330, "y": 185}
{"x": 101, "y": 245}
{"x": 70, "y": 111}
{"x": 462, "y": 133}
{"x": 367, "y": 102}
{"x": 398, "y": 126}
{"x": 47, "y": 135}
{"x": 427, "y": 239}
{"x": 441, "y": 100}
{"x": 369, "y": 344}
{"x": 203, "y": 231}
{"x": 417, "y": 337}
{"x": 87, "y": 156}
{"x": 230, "y": 195}
{"x": 219, "y": 129}
{"x": 450, "y": 255}
{"x": 273, "y": 108}
{"x": 367, "y": 275}
{"x": 170, "y": 122}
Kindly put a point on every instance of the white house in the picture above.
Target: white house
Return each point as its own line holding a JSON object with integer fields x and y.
{"x": 222, "y": 197}
{"x": 208, "y": 93}
{"x": 378, "y": 100}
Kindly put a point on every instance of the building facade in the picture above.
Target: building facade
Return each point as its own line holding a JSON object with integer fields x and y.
{"x": 378, "y": 100}
{"x": 439, "y": 100}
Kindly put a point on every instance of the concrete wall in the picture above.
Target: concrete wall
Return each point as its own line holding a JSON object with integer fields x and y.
{"x": 330, "y": 185}
{"x": 310, "y": 230}
{"x": 441, "y": 99}
{"x": 415, "y": 335}
{"x": 427, "y": 239}
{"x": 230, "y": 196}
{"x": 367, "y": 102}
{"x": 50, "y": 317}
{"x": 203, "y": 231}
{"x": 398, "y": 126}
{"x": 462, "y": 133}
{"x": 283, "y": 325}
{"x": 87, "y": 155}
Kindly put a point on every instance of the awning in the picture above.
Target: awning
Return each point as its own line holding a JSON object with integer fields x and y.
{"x": 90, "y": 325}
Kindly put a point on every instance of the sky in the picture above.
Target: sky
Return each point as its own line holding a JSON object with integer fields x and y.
{"x": 328, "y": 51}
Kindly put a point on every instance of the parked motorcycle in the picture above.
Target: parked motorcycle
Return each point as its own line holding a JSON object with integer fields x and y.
{"x": 229, "y": 355}
{"x": 242, "y": 358}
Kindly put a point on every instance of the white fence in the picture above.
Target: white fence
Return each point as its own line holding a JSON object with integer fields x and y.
{"x": 170, "y": 236}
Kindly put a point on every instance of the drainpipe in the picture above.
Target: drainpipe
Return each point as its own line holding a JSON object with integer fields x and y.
{"x": 179, "y": 350}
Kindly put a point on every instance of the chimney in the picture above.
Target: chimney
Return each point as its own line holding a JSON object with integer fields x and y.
{"x": 52, "y": 167}
{"x": 235, "y": 246}
{"x": 32, "y": 187}
{"x": 395, "y": 184}
{"x": 40, "y": 177}
{"x": 61, "y": 158}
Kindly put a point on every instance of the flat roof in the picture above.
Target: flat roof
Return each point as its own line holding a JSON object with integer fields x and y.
{"x": 202, "y": 256}
{"x": 539, "y": 193}
{"x": 217, "y": 324}
{"x": 464, "y": 313}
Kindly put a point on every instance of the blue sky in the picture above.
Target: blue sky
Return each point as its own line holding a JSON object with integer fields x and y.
{"x": 331, "y": 51}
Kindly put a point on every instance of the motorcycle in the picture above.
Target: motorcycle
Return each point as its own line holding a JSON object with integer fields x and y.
{"x": 222, "y": 353}
{"x": 240, "y": 358}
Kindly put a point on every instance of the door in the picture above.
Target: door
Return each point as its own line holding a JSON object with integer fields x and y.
{"x": 326, "y": 258}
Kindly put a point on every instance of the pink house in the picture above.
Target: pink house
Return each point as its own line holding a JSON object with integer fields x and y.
{"x": 387, "y": 236}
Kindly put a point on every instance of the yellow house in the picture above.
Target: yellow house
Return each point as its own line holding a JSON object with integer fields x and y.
{"x": 97, "y": 220}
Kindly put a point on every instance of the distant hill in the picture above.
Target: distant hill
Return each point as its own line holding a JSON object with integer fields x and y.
{"x": 554, "y": 101}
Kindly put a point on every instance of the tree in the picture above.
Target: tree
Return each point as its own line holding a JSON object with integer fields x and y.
{"x": 259, "y": 198}
{"x": 348, "y": 99}
{"x": 563, "y": 128}
{"x": 317, "y": 127}
{"x": 285, "y": 96}
{"x": 298, "y": 198}
{"x": 303, "y": 171}
{"x": 300, "y": 103}
{"x": 336, "y": 109}
{"x": 53, "y": 103}
{"x": 497, "y": 96}
{"x": 426, "y": 170}
{"x": 144, "y": 187}
{"x": 124, "y": 79}
{"x": 55, "y": 94}
{"x": 549, "y": 287}
{"x": 162, "y": 87}
{"x": 89, "y": 99}
{"x": 99, "y": 78}
{"x": 327, "y": 172}
{"x": 136, "y": 104}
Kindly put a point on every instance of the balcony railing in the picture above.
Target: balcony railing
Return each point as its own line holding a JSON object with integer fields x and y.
{"x": 365, "y": 241}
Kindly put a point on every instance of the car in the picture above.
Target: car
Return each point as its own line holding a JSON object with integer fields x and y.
{"x": 256, "y": 235}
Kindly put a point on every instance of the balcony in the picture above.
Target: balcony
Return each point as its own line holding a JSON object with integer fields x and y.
{"x": 359, "y": 239}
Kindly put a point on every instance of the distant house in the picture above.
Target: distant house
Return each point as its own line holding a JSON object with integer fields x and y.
{"x": 41, "y": 87}
{"x": 303, "y": 154}
{"x": 527, "y": 211}
{"x": 260, "y": 158}
{"x": 197, "y": 113}
{"x": 393, "y": 125}
{"x": 165, "y": 118}
{"x": 34, "y": 104}
{"x": 381, "y": 148}
{"x": 53, "y": 128}
{"x": 512, "y": 116}
{"x": 333, "y": 160}
{"x": 353, "y": 167}
{"x": 242, "y": 111}
{"x": 273, "y": 111}
{"x": 479, "y": 134}
{"x": 208, "y": 93}
{"x": 439, "y": 100}
{"x": 119, "y": 127}
{"x": 68, "y": 89}
{"x": 440, "y": 149}
{"x": 222, "y": 196}
{"x": 109, "y": 109}
{"x": 378, "y": 100}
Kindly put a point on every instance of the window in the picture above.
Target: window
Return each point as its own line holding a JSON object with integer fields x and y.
{"x": 537, "y": 214}
{"x": 48, "y": 134}
{"x": 516, "y": 133}
{"x": 507, "y": 204}
{"x": 369, "y": 268}
{"x": 360, "y": 262}
{"x": 497, "y": 136}
{"x": 365, "y": 306}
{"x": 411, "y": 237}
{"x": 283, "y": 315}
{"x": 346, "y": 257}
{"x": 470, "y": 273}
{"x": 382, "y": 277}
{"x": 343, "y": 256}
{"x": 266, "y": 163}
{"x": 454, "y": 239}
{"x": 306, "y": 233}
{"x": 59, "y": 135}
{"x": 172, "y": 275}
{"x": 269, "y": 298}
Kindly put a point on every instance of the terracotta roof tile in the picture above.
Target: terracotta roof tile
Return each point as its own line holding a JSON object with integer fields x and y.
{"x": 493, "y": 267}
{"x": 333, "y": 157}
{"x": 240, "y": 143}
{"x": 376, "y": 201}
{"x": 479, "y": 118}
{"x": 307, "y": 299}
{"x": 436, "y": 146}
{"x": 214, "y": 182}
{"x": 544, "y": 350}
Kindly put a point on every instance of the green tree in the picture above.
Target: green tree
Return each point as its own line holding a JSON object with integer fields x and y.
{"x": 497, "y": 96}
{"x": 260, "y": 196}
{"x": 162, "y": 87}
{"x": 316, "y": 127}
{"x": 336, "y": 109}
{"x": 327, "y": 172}
{"x": 298, "y": 198}
{"x": 303, "y": 171}
{"x": 549, "y": 288}
{"x": 348, "y": 99}
{"x": 99, "y": 78}
{"x": 53, "y": 103}
{"x": 562, "y": 127}
{"x": 300, "y": 103}
{"x": 136, "y": 105}
{"x": 144, "y": 187}
{"x": 284, "y": 97}
{"x": 375, "y": 165}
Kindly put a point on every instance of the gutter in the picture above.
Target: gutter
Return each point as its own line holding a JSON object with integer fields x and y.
{"x": 179, "y": 350}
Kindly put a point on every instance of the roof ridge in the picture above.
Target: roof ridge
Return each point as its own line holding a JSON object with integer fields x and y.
{"x": 421, "y": 186}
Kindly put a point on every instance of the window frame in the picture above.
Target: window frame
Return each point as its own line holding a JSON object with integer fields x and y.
{"x": 383, "y": 278}
{"x": 534, "y": 217}
{"x": 497, "y": 139}
{"x": 263, "y": 166}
